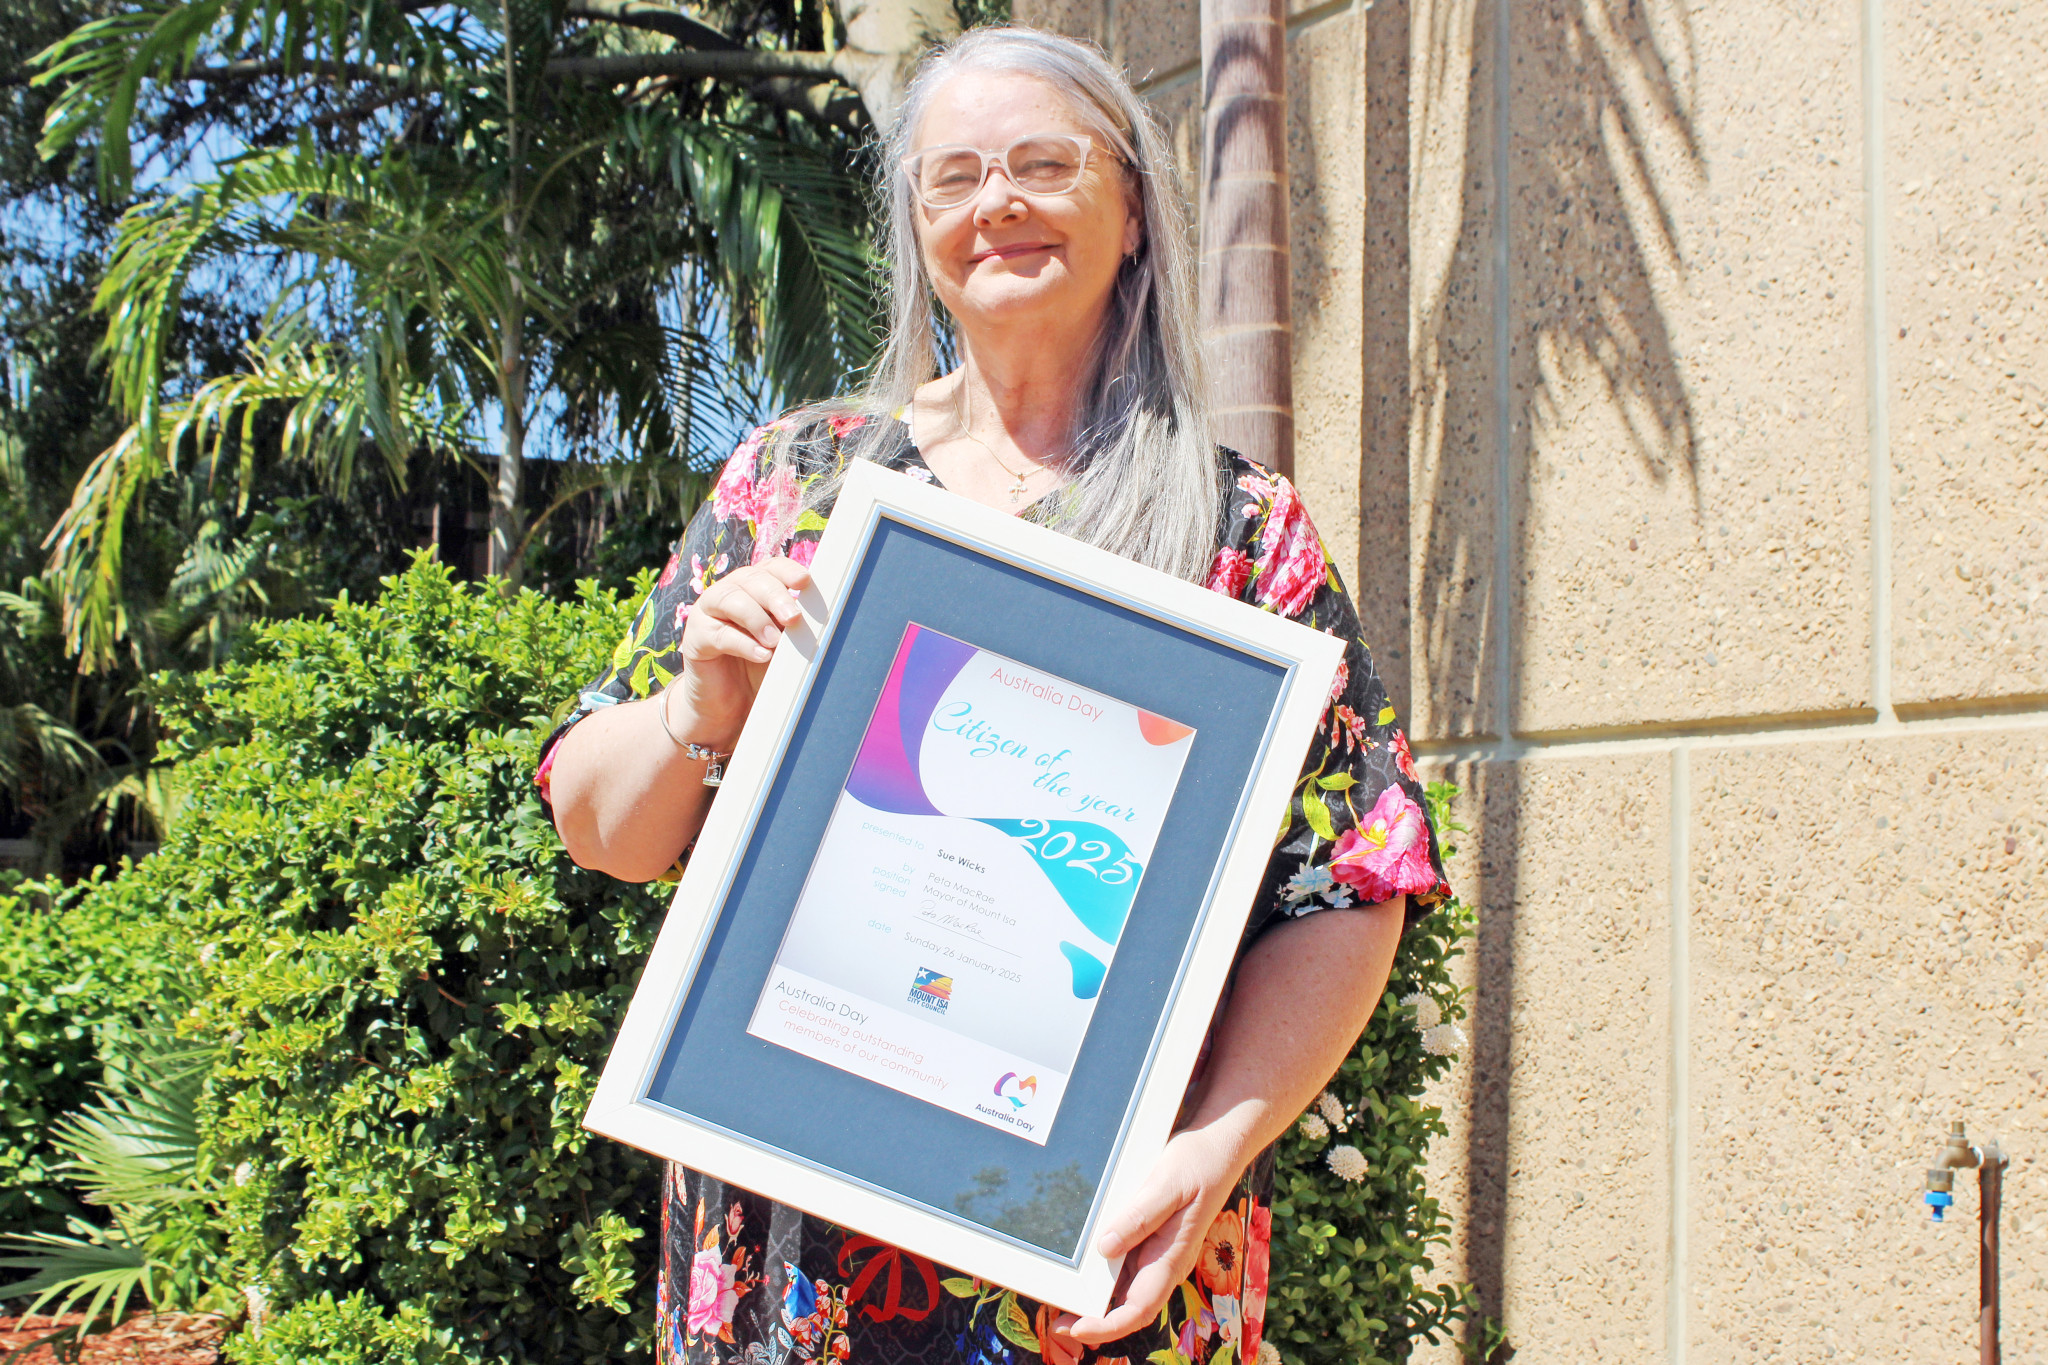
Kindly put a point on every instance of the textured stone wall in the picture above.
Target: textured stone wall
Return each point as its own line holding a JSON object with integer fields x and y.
{"x": 1673, "y": 386}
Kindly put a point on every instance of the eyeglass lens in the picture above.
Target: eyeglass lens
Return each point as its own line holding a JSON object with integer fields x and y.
{"x": 1036, "y": 165}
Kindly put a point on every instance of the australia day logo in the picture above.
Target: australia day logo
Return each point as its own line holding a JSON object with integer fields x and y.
{"x": 931, "y": 990}
{"x": 1019, "y": 1091}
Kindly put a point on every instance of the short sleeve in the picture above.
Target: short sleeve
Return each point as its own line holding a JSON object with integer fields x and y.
{"x": 725, "y": 534}
{"x": 1357, "y": 828}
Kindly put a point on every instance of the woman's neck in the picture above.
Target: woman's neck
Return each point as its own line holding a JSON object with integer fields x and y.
{"x": 1026, "y": 402}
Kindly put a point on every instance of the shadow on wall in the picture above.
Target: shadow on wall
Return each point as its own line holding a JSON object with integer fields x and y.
{"x": 1599, "y": 97}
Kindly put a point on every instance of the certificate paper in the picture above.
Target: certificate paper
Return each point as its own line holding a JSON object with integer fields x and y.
{"x": 964, "y": 907}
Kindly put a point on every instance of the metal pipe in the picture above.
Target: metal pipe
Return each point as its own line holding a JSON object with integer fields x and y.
{"x": 1990, "y": 1189}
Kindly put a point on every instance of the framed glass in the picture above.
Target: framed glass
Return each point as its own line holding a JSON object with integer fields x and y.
{"x": 949, "y": 943}
{"x": 950, "y": 174}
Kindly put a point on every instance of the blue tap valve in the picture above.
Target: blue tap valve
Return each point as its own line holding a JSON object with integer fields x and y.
{"x": 1938, "y": 1200}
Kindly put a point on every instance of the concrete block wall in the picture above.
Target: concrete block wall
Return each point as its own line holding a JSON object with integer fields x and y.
{"x": 1673, "y": 386}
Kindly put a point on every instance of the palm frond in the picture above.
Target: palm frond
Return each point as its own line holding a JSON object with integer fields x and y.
{"x": 135, "y": 1151}
{"x": 96, "y": 1271}
{"x": 332, "y": 408}
{"x": 37, "y": 746}
{"x": 137, "y": 1146}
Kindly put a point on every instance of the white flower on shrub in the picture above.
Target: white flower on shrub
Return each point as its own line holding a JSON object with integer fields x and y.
{"x": 1332, "y": 1110}
{"x": 244, "y": 1173}
{"x": 259, "y": 1307}
{"x": 1269, "y": 1354}
{"x": 1348, "y": 1163}
{"x": 1443, "y": 1041}
{"x": 1314, "y": 1128}
{"x": 1427, "y": 1013}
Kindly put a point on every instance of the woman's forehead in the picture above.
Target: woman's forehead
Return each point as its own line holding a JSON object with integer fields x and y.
{"x": 990, "y": 108}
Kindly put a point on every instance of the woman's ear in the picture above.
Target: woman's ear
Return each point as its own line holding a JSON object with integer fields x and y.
{"x": 1134, "y": 230}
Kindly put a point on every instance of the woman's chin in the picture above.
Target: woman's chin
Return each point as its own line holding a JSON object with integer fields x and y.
{"x": 1015, "y": 303}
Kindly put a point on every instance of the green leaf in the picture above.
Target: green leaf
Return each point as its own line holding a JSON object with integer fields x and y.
{"x": 959, "y": 1286}
{"x": 1318, "y": 815}
{"x": 1011, "y": 1322}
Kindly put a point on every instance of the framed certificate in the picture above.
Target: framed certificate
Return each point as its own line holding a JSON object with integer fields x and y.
{"x": 952, "y": 935}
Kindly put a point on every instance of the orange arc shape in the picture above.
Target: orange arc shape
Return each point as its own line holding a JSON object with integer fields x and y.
{"x": 1160, "y": 730}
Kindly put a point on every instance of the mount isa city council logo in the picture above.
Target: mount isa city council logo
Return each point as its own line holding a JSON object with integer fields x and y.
{"x": 931, "y": 990}
{"x": 1018, "y": 1091}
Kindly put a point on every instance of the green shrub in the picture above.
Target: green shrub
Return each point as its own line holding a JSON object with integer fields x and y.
{"x": 411, "y": 988}
{"x": 1351, "y": 1258}
{"x": 74, "y": 962}
{"x": 411, "y": 985}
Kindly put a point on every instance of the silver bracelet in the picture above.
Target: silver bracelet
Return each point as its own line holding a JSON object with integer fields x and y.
{"x": 714, "y": 775}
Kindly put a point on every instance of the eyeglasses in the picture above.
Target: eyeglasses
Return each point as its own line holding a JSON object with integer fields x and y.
{"x": 947, "y": 176}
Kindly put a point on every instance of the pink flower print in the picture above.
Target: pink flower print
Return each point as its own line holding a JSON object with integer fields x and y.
{"x": 1229, "y": 573}
{"x": 1188, "y": 1338}
{"x": 1291, "y": 561}
{"x": 804, "y": 551}
{"x": 841, "y": 425}
{"x": 682, "y": 615}
{"x": 1342, "y": 680}
{"x": 1258, "y": 1269}
{"x": 712, "y": 1297}
{"x": 1348, "y": 726}
{"x": 1256, "y": 484}
{"x": 920, "y": 473}
{"x": 701, "y": 577}
{"x": 1403, "y": 758}
{"x": 734, "y": 496}
{"x": 1388, "y": 853}
{"x": 777, "y": 500}
{"x": 670, "y": 570}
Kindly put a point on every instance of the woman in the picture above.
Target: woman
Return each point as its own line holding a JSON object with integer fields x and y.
{"x": 1035, "y": 197}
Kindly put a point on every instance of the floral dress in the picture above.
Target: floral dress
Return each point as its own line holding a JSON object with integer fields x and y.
{"x": 747, "y": 1281}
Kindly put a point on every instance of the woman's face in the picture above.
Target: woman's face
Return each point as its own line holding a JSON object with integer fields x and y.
{"x": 1029, "y": 265}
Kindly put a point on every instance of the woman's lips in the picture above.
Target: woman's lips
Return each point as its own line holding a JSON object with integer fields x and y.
{"x": 1007, "y": 253}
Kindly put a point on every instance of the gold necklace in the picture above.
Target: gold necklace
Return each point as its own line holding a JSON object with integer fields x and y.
{"x": 1017, "y": 488}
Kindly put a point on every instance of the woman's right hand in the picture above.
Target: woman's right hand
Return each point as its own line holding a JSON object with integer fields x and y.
{"x": 728, "y": 638}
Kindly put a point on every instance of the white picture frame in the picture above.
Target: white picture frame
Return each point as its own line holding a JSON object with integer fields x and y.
{"x": 872, "y": 497}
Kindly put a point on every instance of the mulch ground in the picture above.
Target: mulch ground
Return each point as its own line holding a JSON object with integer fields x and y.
{"x": 172, "y": 1339}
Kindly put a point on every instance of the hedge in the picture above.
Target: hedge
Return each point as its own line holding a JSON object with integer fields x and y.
{"x": 412, "y": 988}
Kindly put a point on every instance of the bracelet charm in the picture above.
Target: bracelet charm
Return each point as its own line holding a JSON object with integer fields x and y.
{"x": 714, "y": 774}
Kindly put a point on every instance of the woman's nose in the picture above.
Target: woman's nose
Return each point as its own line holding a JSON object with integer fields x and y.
{"x": 998, "y": 200}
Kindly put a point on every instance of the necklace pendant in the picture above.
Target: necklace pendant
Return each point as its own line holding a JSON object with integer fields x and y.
{"x": 1017, "y": 488}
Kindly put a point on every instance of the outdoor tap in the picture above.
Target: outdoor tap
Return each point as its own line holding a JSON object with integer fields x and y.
{"x": 1958, "y": 1155}
{"x": 1940, "y": 1182}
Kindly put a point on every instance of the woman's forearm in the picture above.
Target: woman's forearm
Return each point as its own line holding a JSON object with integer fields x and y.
{"x": 627, "y": 800}
{"x": 1304, "y": 993}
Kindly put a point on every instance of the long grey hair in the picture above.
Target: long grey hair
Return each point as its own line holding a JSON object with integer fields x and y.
{"x": 1144, "y": 479}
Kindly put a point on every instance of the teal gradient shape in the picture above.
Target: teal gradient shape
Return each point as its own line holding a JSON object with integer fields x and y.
{"x": 1088, "y": 970}
{"x": 1076, "y": 871}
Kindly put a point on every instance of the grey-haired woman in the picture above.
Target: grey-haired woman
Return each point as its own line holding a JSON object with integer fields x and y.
{"x": 1033, "y": 196}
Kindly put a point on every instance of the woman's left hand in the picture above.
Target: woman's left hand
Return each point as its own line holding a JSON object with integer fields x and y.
{"x": 1160, "y": 1234}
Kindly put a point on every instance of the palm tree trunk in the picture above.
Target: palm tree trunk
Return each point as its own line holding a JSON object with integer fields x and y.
{"x": 507, "y": 535}
{"x": 1247, "y": 314}
{"x": 507, "y": 494}
{"x": 883, "y": 41}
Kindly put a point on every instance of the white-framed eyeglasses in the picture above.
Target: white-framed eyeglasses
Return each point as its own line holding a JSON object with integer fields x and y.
{"x": 952, "y": 173}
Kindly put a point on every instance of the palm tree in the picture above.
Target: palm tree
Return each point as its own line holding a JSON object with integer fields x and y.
{"x": 608, "y": 215}
{"x": 1247, "y": 314}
